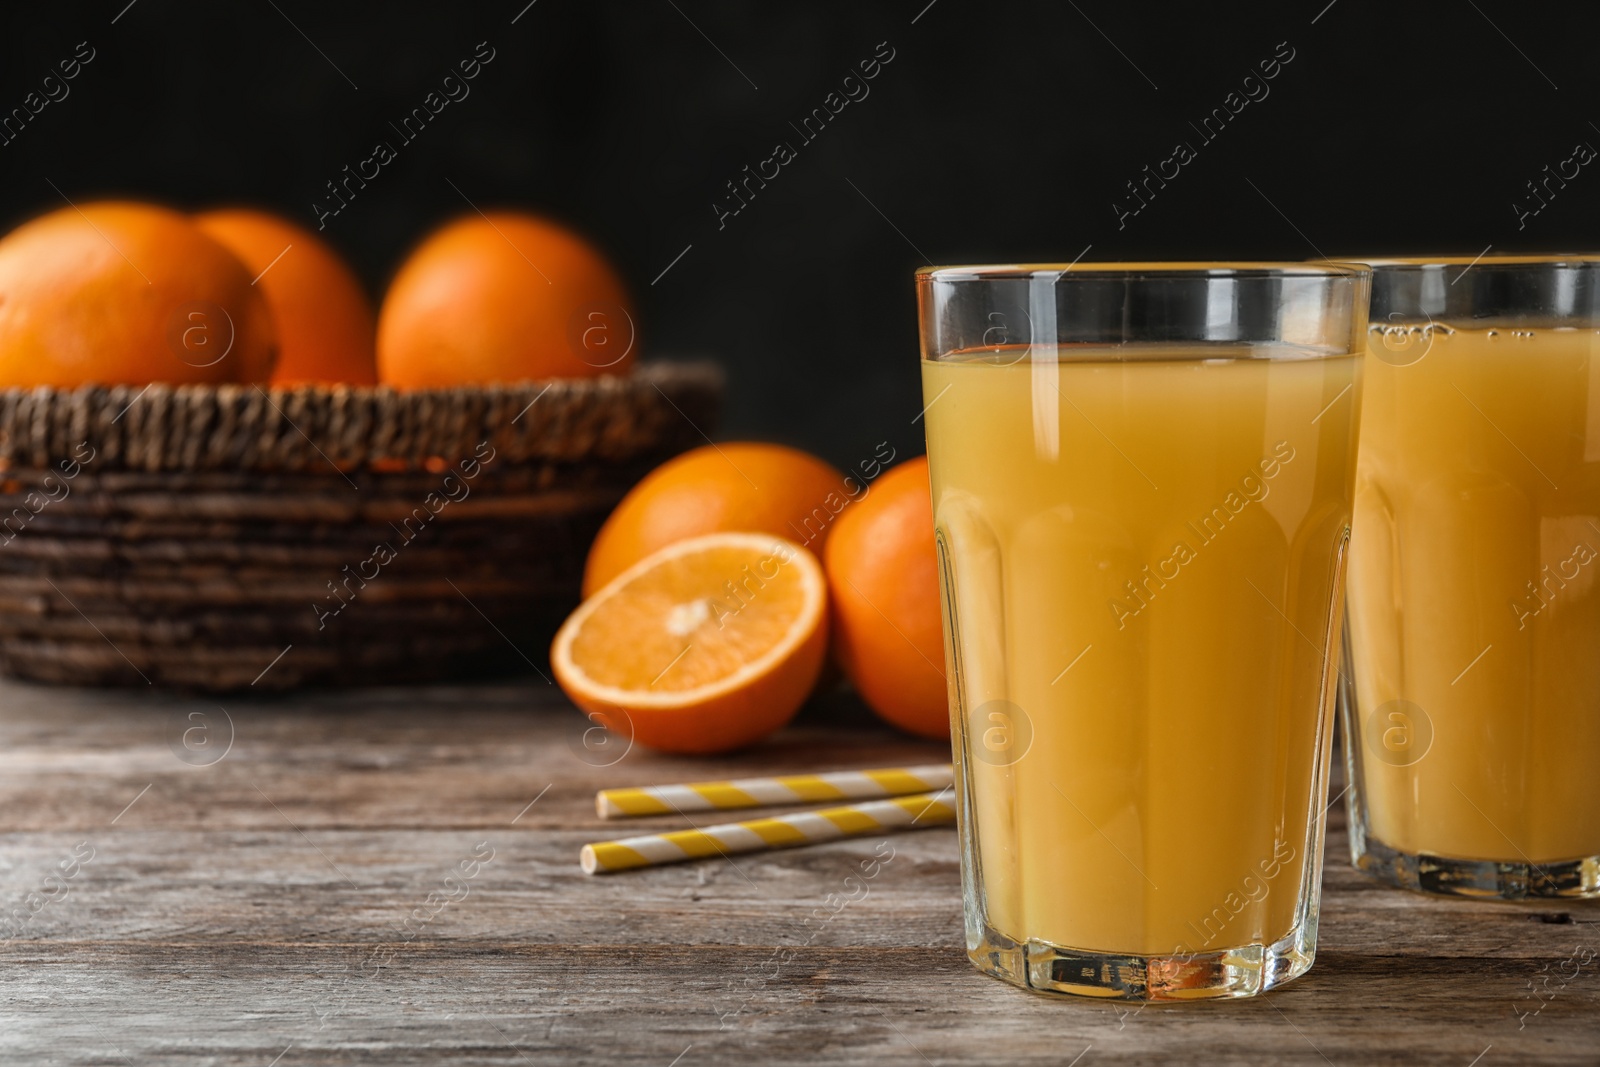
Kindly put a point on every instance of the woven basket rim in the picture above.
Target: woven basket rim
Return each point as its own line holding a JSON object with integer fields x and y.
{"x": 645, "y": 370}
{"x": 255, "y": 427}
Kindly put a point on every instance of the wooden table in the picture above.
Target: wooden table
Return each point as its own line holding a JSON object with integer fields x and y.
{"x": 301, "y": 900}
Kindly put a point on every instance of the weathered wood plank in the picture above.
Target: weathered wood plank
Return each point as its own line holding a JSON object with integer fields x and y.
{"x": 425, "y": 757}
{"x": 181, "y": 1003}
{"x": 279, "y": 899}
{"x": 349, "y": 886}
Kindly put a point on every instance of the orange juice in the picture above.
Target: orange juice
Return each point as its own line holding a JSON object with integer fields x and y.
{"x": 1142, "y": 562}
{"x": 1474, "y": 598}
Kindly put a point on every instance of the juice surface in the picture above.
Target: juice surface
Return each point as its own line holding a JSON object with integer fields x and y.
{"x": 1473, "y": 592}
{"x": 1141, "y": 562}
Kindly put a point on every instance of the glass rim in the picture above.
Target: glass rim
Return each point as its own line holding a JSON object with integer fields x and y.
{"x": 1545, "y": 260}
{"x": 1518, "y": 289}
{"x": 1154, "y": 270}
{"x": 1314, "y": 309}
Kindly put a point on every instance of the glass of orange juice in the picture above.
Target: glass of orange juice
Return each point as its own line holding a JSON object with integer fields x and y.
{"x": 1142, "y": 481}
{"x": 1473, "y": 721}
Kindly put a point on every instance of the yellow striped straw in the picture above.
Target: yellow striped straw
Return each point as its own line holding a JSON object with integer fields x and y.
{"x": 783, "y": 831}
{"x": 762, "y": 792}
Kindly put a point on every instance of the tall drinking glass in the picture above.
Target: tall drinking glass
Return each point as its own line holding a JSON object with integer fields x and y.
{"x": 1142, "y": 481}
{"x": 1474, "y": 620}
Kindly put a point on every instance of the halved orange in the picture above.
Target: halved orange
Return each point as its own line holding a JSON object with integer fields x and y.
{"x": 704, "y": 646}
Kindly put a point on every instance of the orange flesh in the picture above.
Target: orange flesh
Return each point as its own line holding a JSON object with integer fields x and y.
{"x": 692, "y": 621}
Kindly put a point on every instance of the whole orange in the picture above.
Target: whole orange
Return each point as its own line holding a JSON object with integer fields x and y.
{"x": 123, "y": 293}
{"x": 883, "y": 583}
{"x": 740, "y": 486}
{"x": 503, "y": 297}
{"x": 324, "y": 319}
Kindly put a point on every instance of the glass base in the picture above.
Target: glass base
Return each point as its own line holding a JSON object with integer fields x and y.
{"x": 1517, "y": 880}
{"x": 1054, "y": 969}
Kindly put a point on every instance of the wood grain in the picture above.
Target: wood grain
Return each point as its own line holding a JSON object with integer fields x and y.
{"x": 276, "y": 904}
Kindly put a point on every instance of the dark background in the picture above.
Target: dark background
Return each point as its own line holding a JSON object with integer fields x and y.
{"x": 998, "y": 132}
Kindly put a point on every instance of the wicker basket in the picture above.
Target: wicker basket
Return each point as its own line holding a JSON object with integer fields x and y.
{"x": 226, "y": 537}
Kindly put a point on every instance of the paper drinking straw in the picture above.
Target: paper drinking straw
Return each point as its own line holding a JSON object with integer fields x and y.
{"x": 762, "y": 792}
{"x": 783, "y": 831}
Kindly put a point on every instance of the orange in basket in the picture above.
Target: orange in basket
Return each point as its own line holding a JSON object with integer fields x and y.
{"x": 123, "y": 293}
{"x": 324, "y": 319}
{"x": 504, "y": 297}
{"x": 708, "y": 645}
